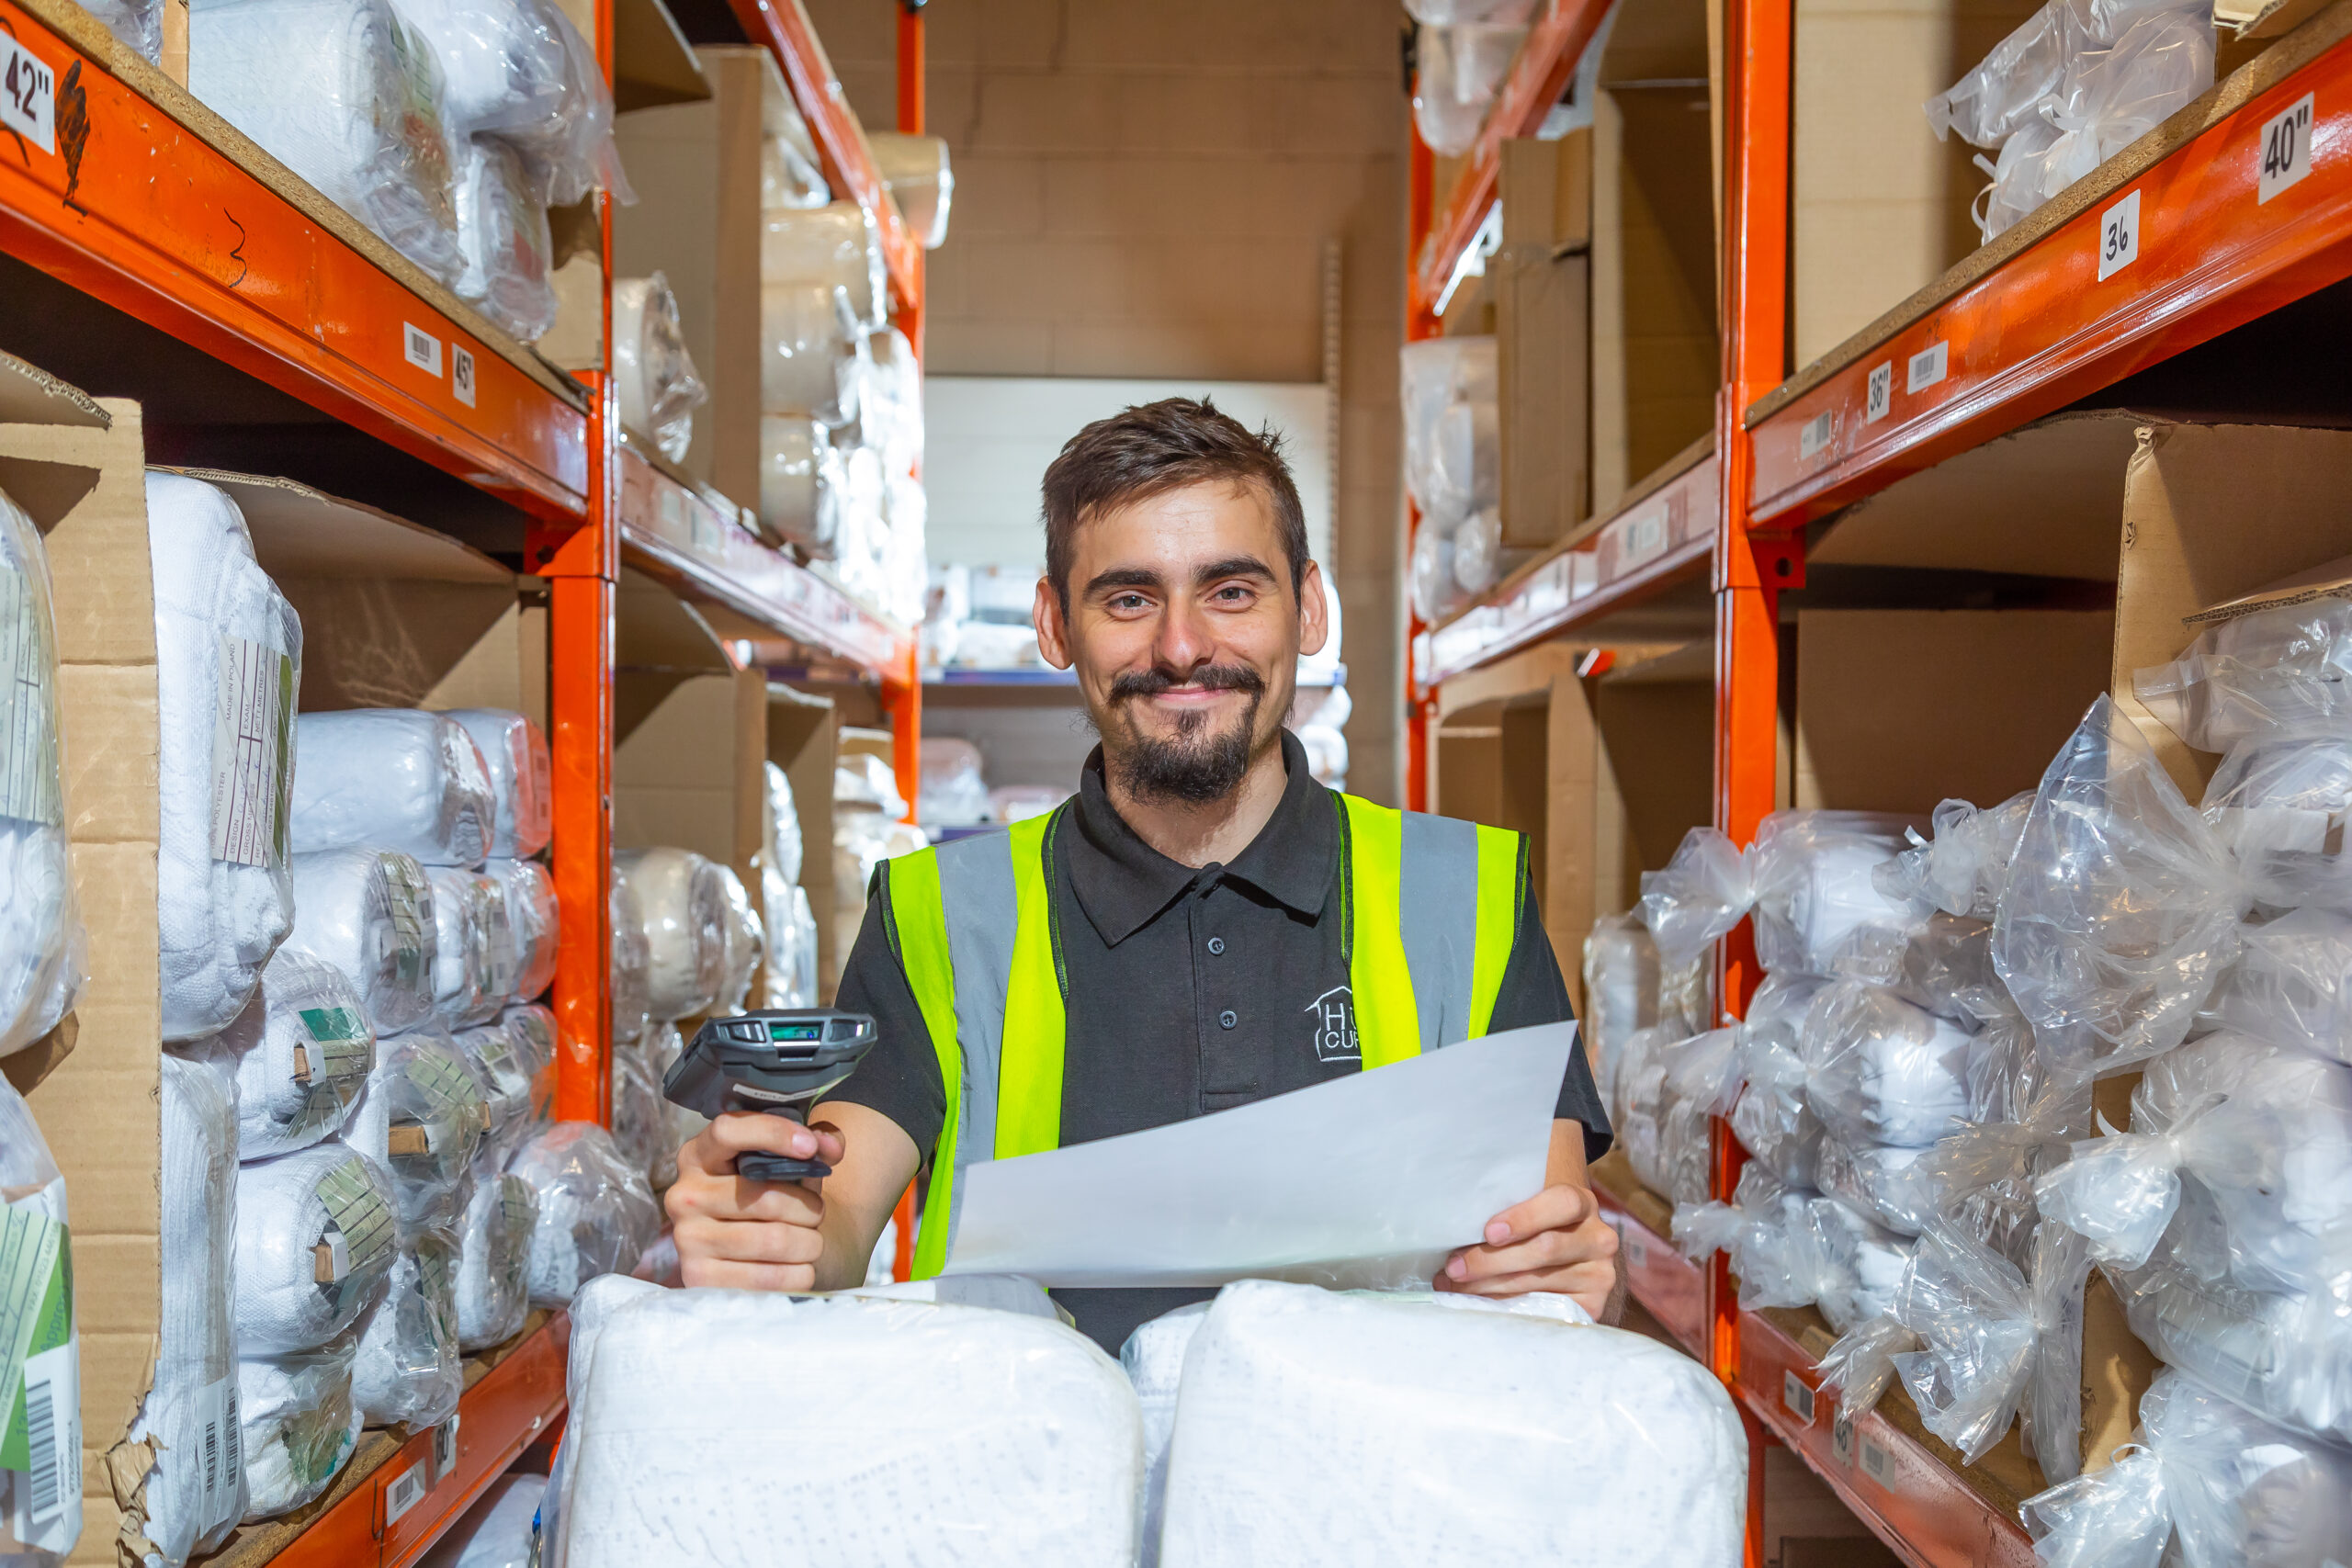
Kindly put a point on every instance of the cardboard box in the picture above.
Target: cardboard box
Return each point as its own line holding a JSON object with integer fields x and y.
{"x": 1541, "y": 281}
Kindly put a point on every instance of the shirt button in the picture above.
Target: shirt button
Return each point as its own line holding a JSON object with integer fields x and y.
{"x": 1216, "y": 945}
{"x": 1228, "y": 1017}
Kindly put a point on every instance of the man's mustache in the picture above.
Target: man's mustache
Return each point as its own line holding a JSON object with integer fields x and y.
{"x": 1210, "y": 677}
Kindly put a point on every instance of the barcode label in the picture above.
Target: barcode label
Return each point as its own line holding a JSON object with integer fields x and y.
{"x": 28, "y": 727}
{"x": 40, "y": 1398}
{"x": 1927, "y": 367}
{"x": 1797, "y": 1396}
{"x": 405, "y": 1491}
{"x": 420, "y": 348}
{"x": 1644, "y": 538}
{"x": 1874, "y": 1461}
{"x": 40, "y": 1439}
{"x": 216, "y": 1407}
{"x": 1814, "y": 435}
{"x": 250, "y": 779}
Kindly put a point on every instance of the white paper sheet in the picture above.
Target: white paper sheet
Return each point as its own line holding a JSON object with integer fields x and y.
{"x": 1367, "y": 1181}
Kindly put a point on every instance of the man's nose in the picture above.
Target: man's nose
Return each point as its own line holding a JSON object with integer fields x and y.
{"x": 1183, "y": 643}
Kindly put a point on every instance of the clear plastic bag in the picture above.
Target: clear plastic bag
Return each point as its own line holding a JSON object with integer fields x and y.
{"x": 1665, "y": 1131}
{"x": 41, "y": 1506}
{"x": 791, "y": 174}
{"x": 1963, "y": 869}
{"x": 833, "y": 246}
{"x": 2278, "y": 802}
{"x": 369, "y": 913}
{"x": 596, "y": 1215}
{"x": 1479, "y": 551}
{"x": 1856, "y": 1262}
{"x": 1884, "y": 1183}
{"x": 391, "y": 778}
{"x": 504, "y": 1070}
{"x": 43, "y": 949}
{"x": 533, "y": 922}
{"x": 407, "y": 1368}
{"x": 653, "y": 373}
{"x": 1461, "y": 67}
{"x": 516, "y": 70}
{"x": 533, "y": 1031}
{"x": 1702, "y": 893}
{"x": 1435, "y": 592}
{"x": 2161, "y": 56}
{"x": 746, "y": 941}
{"x": 1879, "y": 1070}
{"x": 1620, "y": 985}
{"x": 811, "y": 355}
{"x": 507, "y": 255}
{"x": 421, "y": 1120}
{"x": 1815, "y": 877}
{"x": 680, "y": 903}
{"x": 639, "y": 1121}
{"x": 632, "y": 963}
{"x": 299, "y": 1425}
{"x": 1435, "y": 374}
{"x": 299, "y": 1055}
{"x": 327, "y": 1209}
{"x": 1766, "y": 1232}
{"x": 915, "y": 171}
{"x": 492, "y": 1286}
{"x": 2279, "y": 670}
{"x": 521, "y": 779}
{"x": 473, "y": 946}
{"x": 2004, "y": 90}
{"x": 138, "y": 23}
{"x": 1465, "y": 460}
{"x": 1773, "y": 1119}
{"x": 791, "y": 975}
{"x": 2122, "y": 907}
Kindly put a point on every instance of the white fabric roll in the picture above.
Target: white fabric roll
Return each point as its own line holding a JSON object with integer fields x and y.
{"x": 194, "y": 1491}
{"x": 632, "y": 962}
{"x": 324, "y": 1210}
{"x": 300, "y": 1426}
{"x": 391, "y": 778}
{"x": 653, "y": 373}
{"x": 810, "y": 362}
{"x": 299, "y": 1052}
{"x": 835, "y": 247}
{"x": 225, "y": 640}
{"x": 493, "y": 1286}
{"x": 496, "y": 1532}
{"x": 1011, "y": 1438}
{"x": 789, "y": 979}
{"x": 506, "y": 1073}
{"x": 473, "y": 946}
{"x": 532, "y": 1028}
{"x": 1429, "y": 573}
{"x": 793, "y": 449}
{"x": 346, "y": 94}
{"x": 1467, "y": 467}
{"x": 43, "y": 947}
{"x": 916, "y": 172}
{"x": 790, "y": 178}
{"x": 532, "y": 923}
{"x": 369, "y": 913}
{"x": 421, "y": 1120}
{"x": 1153, "y": 1359}
{"x": 506, "y": 254}
{"x": 681, "y": 904}
{"x": 1858, "y": 1263}
{"x": 1479, "y": 551}
{"x": 522, "y": 774}
{"x": 407, "y": 1369}
{"x": 596, "y": 1214}
{"x": 780, "y": 828}
{"x": 746, "y": 941}
{"x": 638, "y": 1124}
{"x": 1315, "y": 1427}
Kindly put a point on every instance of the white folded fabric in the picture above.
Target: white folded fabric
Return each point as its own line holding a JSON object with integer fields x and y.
{"x": 1153, "y": 1359}
{"x": 506, "y": 254}
{"x": 1879, "y": 1070}
{"x": 506, "y": 1073}
{"x": 493, "y": 1285}
{"x": 473, "y": 946}
{"x": 300, "y": 1426}
{"x": 746, "y": 941}
{"x": 314, "y": 1241}
{"x": 421, "y": 1120}
{"x": 194, "y": 1491}
{"x": 369, "y": 913}
{"x": 1858, "y": 1262}
{"x": 810, "y": 367}
{"x": 596, "y": 1214}
{"x": 43, "y": 947}
{"x": 226, "y": 641}
{"x": 496, "y": 1532}
{"x": 532, "y": 923}
{"x": 520, "y": 778}
{"x": 391, "y": 778}
{"x": 406, "y": 1369}
{"x": 1315, "y": 1427}
{"x": 639, "y": 1126}
{"x": 653, "y": 373}
{"x": 300, "y": 1054}
{"x": 532, "y": 1028}
{"x": 681, "y": 904}
{"x": 956, "y": 1435}
{"x": 833, "y": 246}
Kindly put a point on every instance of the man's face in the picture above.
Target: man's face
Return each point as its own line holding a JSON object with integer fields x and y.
{"x": 1185, "y": 633}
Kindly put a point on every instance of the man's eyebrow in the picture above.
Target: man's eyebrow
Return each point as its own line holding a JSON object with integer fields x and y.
{"x": 1123, "y": 576}
{"x": 1233, "y": 566}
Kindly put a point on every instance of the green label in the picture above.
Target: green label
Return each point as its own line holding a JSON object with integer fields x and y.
{"x": 361, "y": 1213}
{"x": 433, "y": 1283}
{"x": 36, "y": 1311}
{"x": 449, "y": 1094}
{"x": 406, "y": 895}
{"x": 343, "y": 1039}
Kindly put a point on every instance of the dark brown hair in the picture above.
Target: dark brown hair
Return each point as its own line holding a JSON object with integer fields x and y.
{"x": 1152, "y": 448}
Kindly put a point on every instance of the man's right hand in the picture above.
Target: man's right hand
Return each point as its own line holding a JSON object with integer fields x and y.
{"x": 749, "y": 1235}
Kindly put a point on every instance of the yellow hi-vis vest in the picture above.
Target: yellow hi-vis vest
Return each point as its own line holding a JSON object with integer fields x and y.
{"x": 981, "y": 952}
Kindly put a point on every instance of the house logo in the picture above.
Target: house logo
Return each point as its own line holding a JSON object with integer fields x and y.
{"x": 1335, "y": 1026}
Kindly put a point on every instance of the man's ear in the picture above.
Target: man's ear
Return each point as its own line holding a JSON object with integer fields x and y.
{"x": 1053, "y": 627}
{"x": 1314, "y": 614}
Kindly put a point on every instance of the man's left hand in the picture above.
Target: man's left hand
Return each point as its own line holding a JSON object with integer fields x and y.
{"x": 1556, "y": 1241}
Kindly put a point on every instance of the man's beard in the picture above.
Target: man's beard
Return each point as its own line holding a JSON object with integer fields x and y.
{"x": 1192, "y": 767}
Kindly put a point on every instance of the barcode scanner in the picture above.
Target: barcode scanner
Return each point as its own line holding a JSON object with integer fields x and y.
{"x": 776, "y": 1062}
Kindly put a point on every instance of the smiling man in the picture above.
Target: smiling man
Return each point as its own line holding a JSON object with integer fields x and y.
{"x": 1201, "y": 926}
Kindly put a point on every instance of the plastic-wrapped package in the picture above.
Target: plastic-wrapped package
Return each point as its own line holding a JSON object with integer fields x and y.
{"x": 1963, "y": 869}
{"x": 2279, "y": 670}
{"x": 347, "y": 94}
{"x": 810, "y": 358}
{"x": 1153, "y": 1359}
{"x": 299, "y": 1052}
{"x": 1436, "y": 593}
{"x": 42, "y": 946}
{"x": 2292, "y": 984}
{"x": 833, "y": 246}
{"x": 532, "y": 923}
{"x": 746, "y": 941}
{"x": 2122, "y": 906}
{"x": 791, "y": 975}
{"x": 492, "y": 1285}
{"x": 915, "y": 171}
{"x": 1620, "y": 966}
{"x": 498, "y": 1531}
{"x": 1477, "y": 551}
{"x": 2004, "y": 90}
{"x": 1857, "y": 1262}
{"x": 369, "y": 914}
{"x": 517, "y": 70}
{"x": 2204, "y": 1484}
{"x": 506, "y": 254}
{"x": 897, "y": 384}
{"x": 637, "y": 1118}
{"x": 791, "y": 173}
{"x": 2278, "y": 801}
{"x": 521, "y": 775}
{"x": 1435, "y": 374}
{"x": 299, "y": 1425}
{"x": 391, "y": 778}
{"x": 1884, "y": 1183}
{"x": 1767, "y": 1234}
{"x": 1944, "y": 964}
{"x": 1461, "y": 67}
{"x": 1634, "y": 1082}
{"x": 793, "y": 449}
{"x": 1315, "y": 1427}
{"x": 138, "y": 23}
{"x": 326, "y": 1210}
{"x": 504, "y": 1071}
{"x": 632, "y": 963}
{"x": 681, "y": 902}
{"x": 2268, "y": 1132}
{"x": 185, "y": 1504}
{"x": 595, "y": 1215}
{"x": 951, "y": 790}
{"x": 406, "y": 1368}
{"x": 1465, "y": 459}
{"x": 1704, "y": 891}
{"x": 652, "y": 372}
{"x": 473, "y": 947}
{"x": 1772, "y": 1121}
{"x": 532, "y": 1028}
{"x": 226, "y": 641}
{"x": 421, "y": 1122}
{"x": 2155, "y": 59}
{"x": 1879, "y": 1070}
{"x": 1818, "y": 898}
{"x": 1665, "y": 1132}
{"x": 1003, "y": 1429}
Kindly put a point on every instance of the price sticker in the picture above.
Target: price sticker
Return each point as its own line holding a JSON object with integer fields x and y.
{"x": 1797, "y": 1396}
{"x": 2286, "y": 149}
{"x": 2119, "y": 236}
{"x": 1881, "y": 393}
{"x": 420, "y": 348}
{"x": 28, "y": 95}
{"x": 1927, "y": 367}
{"x": 403, "y": 1492}
{"x": 462, "y": 373}
{"x": 1874, "y": 1463}
{"x": 1815, "y": 434}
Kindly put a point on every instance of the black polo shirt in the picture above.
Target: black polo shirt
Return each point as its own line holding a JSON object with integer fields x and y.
{"x": 1190, "y": 991}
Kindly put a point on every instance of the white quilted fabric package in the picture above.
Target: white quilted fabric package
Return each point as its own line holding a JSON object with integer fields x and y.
{"x": 1888, "y": 1184}
{"x": 191, "y": 1498}
{"x": 42, "y": 946}
{"x": 1879, "y": 1070}
{"x": 596, "y": 1215}
{"x": 225, "y": 637}
{"x": 346, "y": 94}
{"x": 1153, "y": 1359}
{"x": 652, "y": 372}
{"x": 369, "y": 913}
{"x": 421, "y": 1120}
{"x": 532, "y": 923}
{"x": 406, "y": 1367}
{"x": 299, "y": 1425}
{"x": 632, "y": 966}
{"x": 391, "y": 778}
{"x": 493, "y": 1283}
{"x": 747, "y": 939}
{"x": 1315, "y": 1427}
{"x": 515, "y": 749}
{"x": 314, "y": 1241}
{"x": 503, "y": 1072}
{"x": 300, "y": 1053}
{"x": 958, "y": 1435}
{"x": 1820, "y": 897}
{"x": 532, "y": 1028}
{"x": 833, "y": 246}
{"x": 473, "y": 946}
{"x": 810, "y": 363}
{"x": 791, "y": 977}
{"x": 496, "y": 1532}
{"x": 640, "y": 1123}
{"x": 506, "y": 254}
{"x": 680, "y": 901}
{"x": 1856, "y": 1263}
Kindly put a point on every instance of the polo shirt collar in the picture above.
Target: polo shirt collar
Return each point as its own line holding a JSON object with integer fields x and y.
{"x": 1123, "y": 883}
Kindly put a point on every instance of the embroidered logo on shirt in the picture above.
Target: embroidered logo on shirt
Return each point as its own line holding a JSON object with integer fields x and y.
{"x": 1335, "y": 1026}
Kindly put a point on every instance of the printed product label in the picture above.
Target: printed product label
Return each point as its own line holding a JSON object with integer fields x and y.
{"x": 251, "y": 783}
{"x": 433, "y": 1284}
{"x": 221, "y": 1449}
{"x": 408, "y": 898}
{"x": 29, "y": 723}
{"x": 364, "y": 1221}
{"x": 39, "y": 1372}
{"x": 343, "y": 1041}
{"x": 450, "y": 1096}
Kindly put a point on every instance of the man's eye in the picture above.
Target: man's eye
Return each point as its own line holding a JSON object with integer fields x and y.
{"x": 1128, "y": 602}
{"x": 1233, "y": 594}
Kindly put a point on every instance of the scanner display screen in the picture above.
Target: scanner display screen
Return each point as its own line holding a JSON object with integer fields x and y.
{"x": 783, "y": 1031}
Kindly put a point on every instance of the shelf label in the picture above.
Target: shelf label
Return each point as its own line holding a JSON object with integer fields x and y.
{"x": 1637, "y": 1252}
{"x": 1841, "y": 1440}
{"x": 28, "y": 95}
{"x": 403, "y": 1492}
{"x": 422, "y": 350}
{"x": 2286, "y": 149}
{"x": 462, "y": 373}
{"x": 1874, "y": 1463}
{"x": 2119, "y": 236}
{"x": 444, "y": 1448}
{"x": 1926, "y": 367}
{"x": 1814, "y": 434}
{"x": 1881, "y": 393}
{"x": 1797, "y": 1397}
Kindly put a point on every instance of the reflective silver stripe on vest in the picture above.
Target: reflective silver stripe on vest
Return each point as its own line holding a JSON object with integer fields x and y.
{"x": 976, "y": 895}
{"x": 1438, "y": 905}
